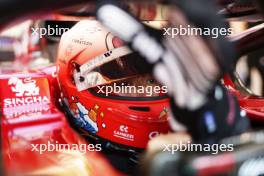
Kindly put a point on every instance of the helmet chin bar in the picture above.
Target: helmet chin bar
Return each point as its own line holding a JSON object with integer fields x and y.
{"x": 85, "y": 78}
{"x": 131, "y": 154}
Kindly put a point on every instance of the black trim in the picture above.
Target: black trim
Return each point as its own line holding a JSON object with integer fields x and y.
{"x": 140, "y": 108}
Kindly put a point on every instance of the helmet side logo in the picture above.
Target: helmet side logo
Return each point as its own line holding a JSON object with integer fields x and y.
{"x": 123, "y": 128}
{"x": 123, "y": 133}
{"x": 23, "y": 87}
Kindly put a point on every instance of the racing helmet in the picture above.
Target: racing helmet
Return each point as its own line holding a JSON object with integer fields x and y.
{"x": 108, "y": 90}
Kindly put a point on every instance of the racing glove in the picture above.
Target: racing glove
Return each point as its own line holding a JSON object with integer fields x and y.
{"x": 186, "y": 64}
{"x": 190, "y": 65}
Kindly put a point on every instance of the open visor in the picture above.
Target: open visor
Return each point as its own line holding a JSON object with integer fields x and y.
{"x": 118, "y": 72}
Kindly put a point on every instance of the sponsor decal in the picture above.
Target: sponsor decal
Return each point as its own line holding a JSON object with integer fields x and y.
{"x": 29, "y": 108}
{"x": 123, "y": 132}
{"x": 13, "y": 102}
{"x": 26, "y": 97}
{"x": 82, "y": 41}
{"x": 26, "y": 87}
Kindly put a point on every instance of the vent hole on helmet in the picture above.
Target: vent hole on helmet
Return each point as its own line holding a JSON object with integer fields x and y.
{"x": 139, "y": 108}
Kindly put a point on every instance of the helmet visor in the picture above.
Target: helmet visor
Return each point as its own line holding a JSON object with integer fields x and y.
{"x": 126, "y": 76}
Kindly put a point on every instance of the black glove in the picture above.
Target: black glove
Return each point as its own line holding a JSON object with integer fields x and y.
{"x": 190, "y": 65}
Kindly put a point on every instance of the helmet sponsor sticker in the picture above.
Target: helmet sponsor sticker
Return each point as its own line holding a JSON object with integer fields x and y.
{"x": 123, "y": 132}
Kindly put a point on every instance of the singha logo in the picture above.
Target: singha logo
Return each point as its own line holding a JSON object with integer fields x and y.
{"x": 26, "y": 87}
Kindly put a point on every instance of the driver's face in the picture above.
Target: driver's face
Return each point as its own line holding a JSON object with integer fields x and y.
{"x": 139, "y": 81}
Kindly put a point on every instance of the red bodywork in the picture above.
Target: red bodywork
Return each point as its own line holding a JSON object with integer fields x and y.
{"x": 253, "y": 105}
{"x": 37, "y": 120}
